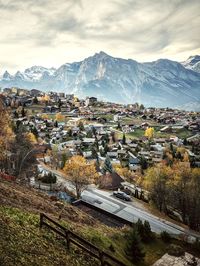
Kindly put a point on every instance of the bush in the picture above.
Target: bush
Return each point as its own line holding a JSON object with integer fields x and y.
{"x": 111, "y": 248}
{"x": 165, "y": 237}
{"x": 196, "y": 245}
{"x": 133, "y": 248}
{"x": 175, "y": 250}
{"x": 49, "y": 179}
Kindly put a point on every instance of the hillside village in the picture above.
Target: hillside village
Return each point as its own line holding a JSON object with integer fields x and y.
{"x": 97, "y": 129}
{"x": 124, "y": 143}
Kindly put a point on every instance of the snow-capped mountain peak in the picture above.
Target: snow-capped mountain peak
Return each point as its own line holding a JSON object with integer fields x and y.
{"x": 193, "y": 63}
{"x": 159, "y": 83}
{"x": 6, "y": 76}
{"x": 37, "y": 72}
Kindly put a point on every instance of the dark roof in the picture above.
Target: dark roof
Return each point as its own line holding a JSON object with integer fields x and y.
{"x": 111, "y": 181}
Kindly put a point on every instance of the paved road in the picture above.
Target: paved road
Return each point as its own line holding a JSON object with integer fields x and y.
{"x": 126, "y": 210}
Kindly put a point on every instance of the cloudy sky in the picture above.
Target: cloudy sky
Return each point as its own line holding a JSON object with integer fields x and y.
{"x": 50, "y": 32}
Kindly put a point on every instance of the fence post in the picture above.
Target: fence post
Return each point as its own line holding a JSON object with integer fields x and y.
{"x": 68, "y": 239}
{"x": 101, "y": 258}
{"x": 41, "y": 220}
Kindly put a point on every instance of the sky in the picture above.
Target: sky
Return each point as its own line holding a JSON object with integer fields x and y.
{"x": 51, "y": 33}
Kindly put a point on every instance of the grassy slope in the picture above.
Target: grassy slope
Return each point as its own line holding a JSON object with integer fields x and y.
{"x": 183, "y": 133}
{"x": 23, "y": 243}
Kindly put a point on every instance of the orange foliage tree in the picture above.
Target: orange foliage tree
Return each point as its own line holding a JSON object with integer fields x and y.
{"x": 6, "y": 132}
{"x": 59, "y": 117}
{"x": 80, "y": 173}
{"x": 31, "y": 137}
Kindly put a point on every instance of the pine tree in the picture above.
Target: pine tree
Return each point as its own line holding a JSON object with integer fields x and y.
{"x": 23, "y": 113}
{"x": 133, "y": 247}
{"x": 34, "y": 131}
{"x": 124, "y": 139}
{"x": 81, "y": 126}
{"x": 56, "y": 123}
{"x": 147, "y": 235}
{"x": 185, "y": 141}
{"x": 106, "y": 148}
{"x": 118, "y": 125}
{"x": 107, "y": 167}
{"x": 94, "y": 152}
{"x": 35, "y": 100}
{"x": 144, "y": 230}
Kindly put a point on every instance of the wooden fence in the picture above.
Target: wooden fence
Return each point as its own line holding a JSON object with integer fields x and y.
{"x": 104, "y": 258}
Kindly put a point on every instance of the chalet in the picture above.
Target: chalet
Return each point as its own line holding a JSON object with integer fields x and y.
{"x": 110, "y": 181}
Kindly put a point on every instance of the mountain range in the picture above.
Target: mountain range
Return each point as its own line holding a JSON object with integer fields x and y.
{"x": 162, "y": 83}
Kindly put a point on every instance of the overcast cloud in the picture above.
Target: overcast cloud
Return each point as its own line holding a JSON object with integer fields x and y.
{"x": 50, "y": 33}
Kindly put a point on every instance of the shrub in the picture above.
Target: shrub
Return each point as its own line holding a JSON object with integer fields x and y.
{"x": 49, "y": 178}
{"x": 175, "y": 250}
{"x": 111, "y": 248}
{"x": 165, "y": 237}
{"x": 196, "y": 245}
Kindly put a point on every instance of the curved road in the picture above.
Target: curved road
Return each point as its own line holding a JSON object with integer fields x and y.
{"x": 105, "y": 200}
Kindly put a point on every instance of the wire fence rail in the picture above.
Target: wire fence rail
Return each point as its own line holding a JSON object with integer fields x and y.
{"x": 72, "y": 238}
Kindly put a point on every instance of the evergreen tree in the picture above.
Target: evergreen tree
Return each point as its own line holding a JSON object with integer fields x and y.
{"x": 185, "y": 141}
{"x": 147, "y": 235}
{"x": 171, "y": 147}
{"x": 107, "y": 167}
{"x": 81, "y": 126}
{"x": 89, "y": 134}
{"x": 94, "y": 152}
{"x": 144, "y": 230}
{"x": 119, "y": 126}
{"x": 140, "y": 228}
{"x": 69, "y": 132}
{"x": 34, "y": 131}
{"x": 133, "y": 247}
{"x": 15, "y": 114}
{"x": 94, "y": 131}
{"x": 23, "y": 113}
{"x": 106, "y": 138}
{"x": 124, "y": 139}
{"x": 56, "y": 124}
{"x": 96, "y": 144}
{"x": 143, "y": 163}
{"x": 106, "y": 149}
{"x": 35, "y": 100}
{"x": 141, "y": 107}
{"x": 59, "y": 104}
{"x": 113, "y": 137}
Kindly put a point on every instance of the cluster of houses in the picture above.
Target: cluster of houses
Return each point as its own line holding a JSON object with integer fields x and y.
{"x": 99, "y": 130}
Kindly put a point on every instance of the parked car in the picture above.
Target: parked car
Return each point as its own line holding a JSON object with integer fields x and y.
{"x": 122, "y": 195}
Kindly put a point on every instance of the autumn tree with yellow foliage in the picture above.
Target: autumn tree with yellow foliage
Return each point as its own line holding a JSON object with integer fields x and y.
{"x": 59, "y": 117}
{"x": 149, "y": 132}
{"x": 6, "y": 133}
{"x": 156, "y": 182}
{"x": 80, "y": 173}
{"x": 124, "y": 172}
{"x": 176, "y": 188}
{"x": 31, "y": 137}
{"x": 44, "y": 98}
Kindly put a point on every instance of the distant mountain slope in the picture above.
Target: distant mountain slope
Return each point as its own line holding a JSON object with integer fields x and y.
{"x": 193, "y": 63}
{"x": 161, "y": 83}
